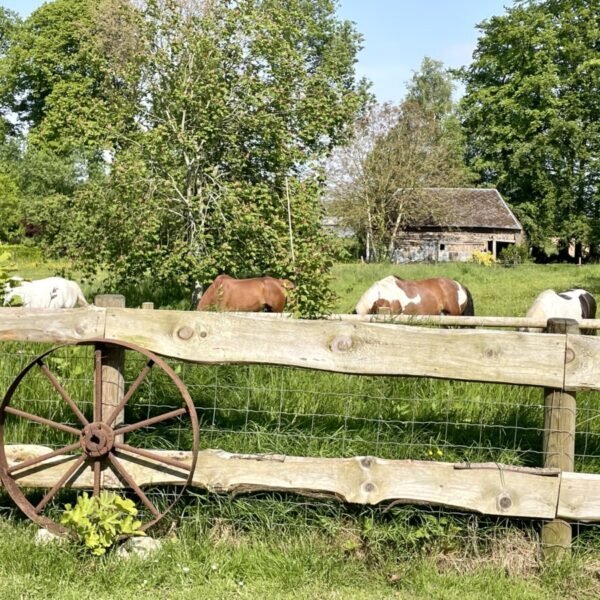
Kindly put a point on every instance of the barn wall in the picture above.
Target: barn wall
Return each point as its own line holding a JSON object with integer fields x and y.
{"x": 455, "y": 246}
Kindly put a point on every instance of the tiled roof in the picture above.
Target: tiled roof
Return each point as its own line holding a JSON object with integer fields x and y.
{"x": 468, "y": 208}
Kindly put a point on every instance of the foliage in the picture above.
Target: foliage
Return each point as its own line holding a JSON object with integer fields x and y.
{"x": 514, "y": 254}
{"x": 6, "y": 270}
{"x": 532, "y": 116}
{"x": 65, "y": 77}
{"x": 101, "y": 520}
{"x": 203, "y": 128}
{"x": 376, "y": 182}
{"x": 483, "y": 257}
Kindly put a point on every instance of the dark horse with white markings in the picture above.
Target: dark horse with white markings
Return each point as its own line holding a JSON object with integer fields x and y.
{"x": 573, "y": 304}
{"x": 436, "y": 296}
{"x": 257, "y": 294}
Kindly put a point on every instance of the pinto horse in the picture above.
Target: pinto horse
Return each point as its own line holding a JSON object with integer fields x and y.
{"x": 437, "y": 296}
{"x": 258, "y": 294}
{"x": 573, "y": 304}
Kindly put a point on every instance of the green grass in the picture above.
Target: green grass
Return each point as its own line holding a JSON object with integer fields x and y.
{"x": 284, "y": 546}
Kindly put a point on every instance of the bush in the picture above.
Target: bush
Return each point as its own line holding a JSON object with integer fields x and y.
{"x": 515, "y": 254}
{"x": 484, "y": 258}
{"x": 101, "y": 520}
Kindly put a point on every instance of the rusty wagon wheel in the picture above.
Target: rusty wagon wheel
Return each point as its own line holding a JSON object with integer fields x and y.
{"x": 85, "y": 440}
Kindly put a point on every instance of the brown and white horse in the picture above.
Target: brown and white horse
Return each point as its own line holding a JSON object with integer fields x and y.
{"x": 258, "y": 294}
{"x": 437, "y": 296}
{"x": 573, "y": 304}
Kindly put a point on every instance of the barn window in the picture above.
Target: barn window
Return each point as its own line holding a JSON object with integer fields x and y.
{"x": 442, "y": 246}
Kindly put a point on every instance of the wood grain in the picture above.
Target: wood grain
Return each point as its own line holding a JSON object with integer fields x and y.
{"x": 500, "y": 490}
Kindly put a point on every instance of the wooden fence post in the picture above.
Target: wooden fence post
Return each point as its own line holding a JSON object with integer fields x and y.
{"x": 559, "y": 444}
{"x": 113, "y": 365}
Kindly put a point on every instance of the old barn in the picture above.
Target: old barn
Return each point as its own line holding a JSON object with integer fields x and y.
{"x": 469, "y": 219}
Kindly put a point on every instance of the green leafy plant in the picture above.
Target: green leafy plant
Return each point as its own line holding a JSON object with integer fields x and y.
{"x": 484, "y": 258}
{"x": 6, "y": 268}
{"x": 101, "y": 520}
{"x": 515, "y": 254}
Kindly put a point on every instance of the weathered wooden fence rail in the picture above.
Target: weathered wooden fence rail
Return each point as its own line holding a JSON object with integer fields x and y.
{"x": 563, "y": 362}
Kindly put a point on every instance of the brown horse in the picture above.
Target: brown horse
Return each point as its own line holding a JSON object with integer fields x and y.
{"x": 437, "y": 296}
{"x": 258, "y": 294}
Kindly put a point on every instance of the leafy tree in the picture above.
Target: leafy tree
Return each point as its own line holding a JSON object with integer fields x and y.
{"x": 376, "y": 181}
{"x": 532, "y": 115}
{"x": 65, "y": 77}
{"x": 9, "y": 23}
{"x": 238, "y": 102}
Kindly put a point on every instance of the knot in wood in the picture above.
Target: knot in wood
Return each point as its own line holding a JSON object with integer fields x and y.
{"x": 366, "y": 462}
{"x": 185, "y": 332}
{"x": 369, "y": 487}
{"x": 569, "y": 355}
{"x": 341, "y": 343}
{"x": 504, "y": 501}
{"x": 203, "y": 334}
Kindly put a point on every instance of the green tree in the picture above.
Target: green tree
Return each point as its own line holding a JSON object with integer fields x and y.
{"x": 66, "y": 75}
{"x": 9, "y": 22}
{"x": 238, "y": 103}
{"x": 532, "y": 116}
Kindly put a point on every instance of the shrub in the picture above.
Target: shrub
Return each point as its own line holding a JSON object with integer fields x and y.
{"x": 515, "y": 254}
{"x": 483, "y": 258}
{"x": 101, "y": 520}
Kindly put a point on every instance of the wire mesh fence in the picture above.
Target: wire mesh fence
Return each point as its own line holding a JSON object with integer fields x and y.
{"x": 277, "y": 410}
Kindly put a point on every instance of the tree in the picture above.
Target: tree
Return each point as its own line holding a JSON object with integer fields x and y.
{"x": 376, "y": 181}
{"x": 238, "y": 102}
{"x": 67, "y": 74}
{"x": 532, "y": 116}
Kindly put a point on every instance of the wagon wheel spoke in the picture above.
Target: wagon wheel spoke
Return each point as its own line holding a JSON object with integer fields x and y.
{"x": 122, "y": 471}
{"x": 41, "y": 420}
{"x": 59, "y": 388}
{"x": 39, "y": 459}
{"x": 97, "y": 385}
{"x": 97, "y": 476}
{"x": 132, "y": 389}
{"x": 151, "y": 421}
{"x": 67, "y": 475}
{"x": 154, "y": 457}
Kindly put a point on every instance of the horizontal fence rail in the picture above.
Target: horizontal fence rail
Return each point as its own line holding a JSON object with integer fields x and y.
{"x": 550, "y": 360}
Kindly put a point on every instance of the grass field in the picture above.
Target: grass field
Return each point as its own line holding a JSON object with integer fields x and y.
{"x": 279, "y": 546}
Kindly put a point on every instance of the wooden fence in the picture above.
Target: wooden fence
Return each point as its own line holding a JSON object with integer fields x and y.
{"x": 560, "y": 362}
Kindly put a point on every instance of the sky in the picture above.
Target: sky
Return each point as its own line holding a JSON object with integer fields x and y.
{"x": 398, "y": 34}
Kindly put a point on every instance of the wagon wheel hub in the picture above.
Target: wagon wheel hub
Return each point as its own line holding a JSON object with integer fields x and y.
{"x": 97, "y": 439}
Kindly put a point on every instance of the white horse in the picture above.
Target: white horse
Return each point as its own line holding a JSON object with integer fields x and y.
{"x": 573, "y": 304}
{"x": 51, "y": 292}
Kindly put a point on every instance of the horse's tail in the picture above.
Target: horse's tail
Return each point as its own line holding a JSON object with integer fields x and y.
{"x": 469, "y": 309}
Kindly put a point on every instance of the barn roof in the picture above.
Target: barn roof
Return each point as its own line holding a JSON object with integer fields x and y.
{"x": 468, "y": 208}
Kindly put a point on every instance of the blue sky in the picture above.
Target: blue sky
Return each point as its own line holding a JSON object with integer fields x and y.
{"x": 397, "y": 35}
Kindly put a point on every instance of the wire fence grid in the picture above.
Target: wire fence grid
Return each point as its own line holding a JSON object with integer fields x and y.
{"x": 281, "y": 410}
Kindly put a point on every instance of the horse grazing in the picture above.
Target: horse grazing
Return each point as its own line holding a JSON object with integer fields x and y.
{"x": 51, "y": 292}
{"x": 436, "y": 296}
{"x": 258, "y": 294}
{"x": 573, "y": 304}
